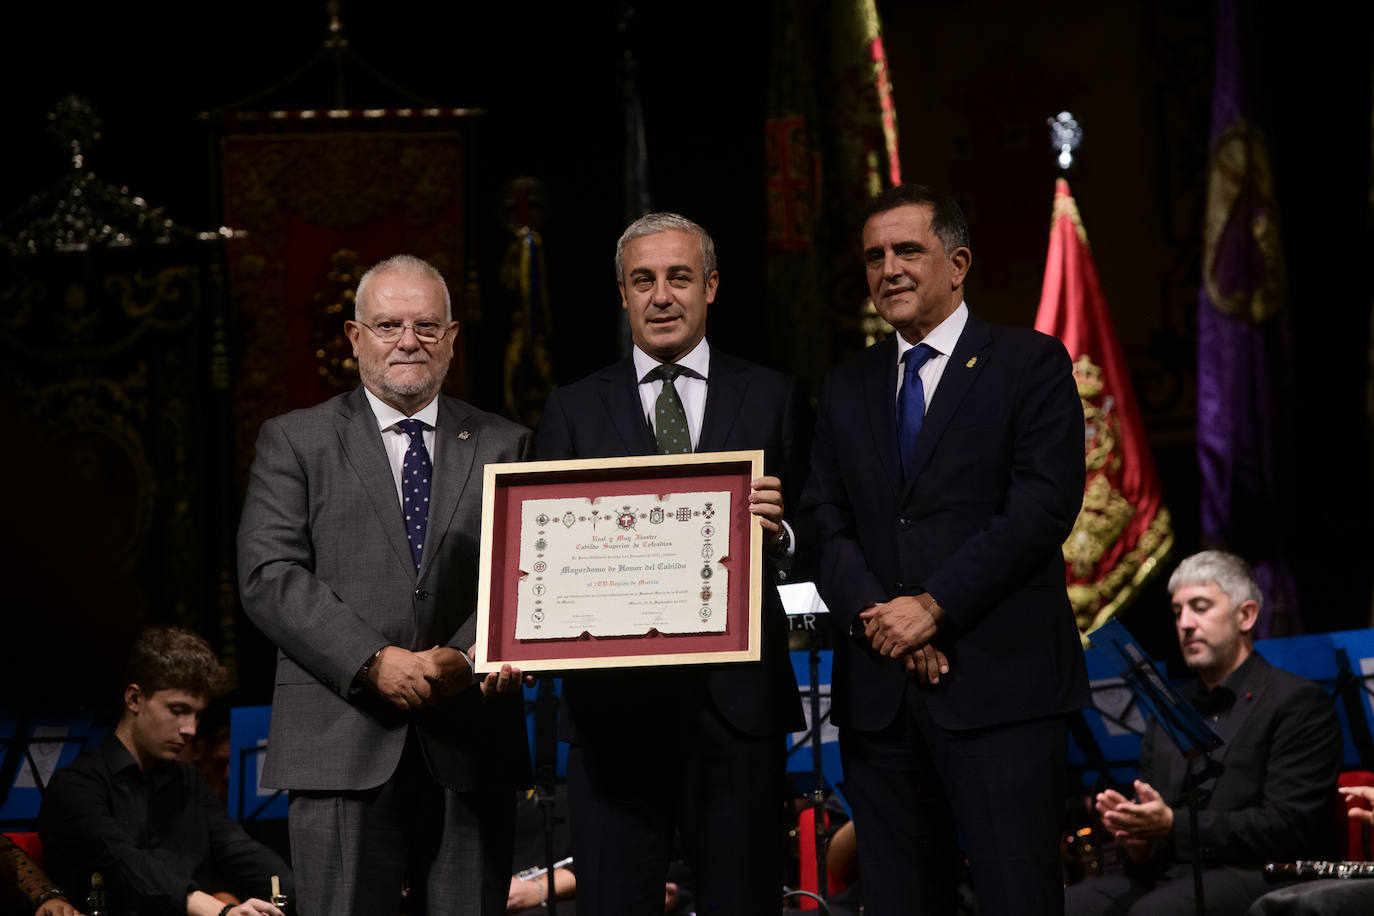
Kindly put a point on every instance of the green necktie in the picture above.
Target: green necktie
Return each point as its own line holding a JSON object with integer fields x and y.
{"x": 670, "y": 420}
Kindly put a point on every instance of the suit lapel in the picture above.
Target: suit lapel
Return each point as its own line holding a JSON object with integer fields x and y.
{"x": 965, "y": 364}
{"x": 362, "y": 444}
{"x": 620, "y": 394}
{"x": 880, "y": 396}
{"x": 725, "y": 393}
{"x": 455, "y": 449}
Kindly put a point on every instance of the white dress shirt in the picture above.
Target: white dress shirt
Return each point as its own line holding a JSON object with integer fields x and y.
{"x": 690, "y": 385}
{"x": 395, "y": 440}
{"x": 942, "y": 340}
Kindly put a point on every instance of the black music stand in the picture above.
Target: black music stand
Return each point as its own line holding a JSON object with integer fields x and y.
{"x": 804, "y": 603}
{"x": 546, "y": 778}
{"x": 1180, "y": 721}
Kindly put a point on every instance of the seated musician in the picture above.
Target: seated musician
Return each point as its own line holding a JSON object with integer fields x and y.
{"x": 150, "y": 825}
{"x": 1271, "y": 793}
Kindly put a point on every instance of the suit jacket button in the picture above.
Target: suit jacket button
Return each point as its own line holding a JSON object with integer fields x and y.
{"x": 900, "y": 585}
{"x": 421, "y": 593}
{"x": 903, "y": 523}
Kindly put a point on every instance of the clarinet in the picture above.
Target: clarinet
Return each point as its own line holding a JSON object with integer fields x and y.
{"x": 1306, "y": 869}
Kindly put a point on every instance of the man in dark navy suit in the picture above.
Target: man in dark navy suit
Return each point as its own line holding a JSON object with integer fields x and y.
{"x": 946, "y": 472}
{"x": 699, "y": 751}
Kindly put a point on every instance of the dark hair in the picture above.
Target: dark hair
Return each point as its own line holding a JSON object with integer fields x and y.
{"x": 173, "y": 658}
{"x": 947, "y": 220}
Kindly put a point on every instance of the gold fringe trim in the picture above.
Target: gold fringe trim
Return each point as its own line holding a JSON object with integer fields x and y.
{"x": 1150, "y": 552}
{"x": 1065, "y": 205}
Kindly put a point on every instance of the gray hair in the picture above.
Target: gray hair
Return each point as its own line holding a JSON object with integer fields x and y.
{"x": 653, "y": 223}
{"x": 1226, "y": 571}
{"x": 410, "y": 266}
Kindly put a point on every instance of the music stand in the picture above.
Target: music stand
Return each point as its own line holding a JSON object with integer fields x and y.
{"x": 1179, "y": 720}
{"x": 802, "y": 600}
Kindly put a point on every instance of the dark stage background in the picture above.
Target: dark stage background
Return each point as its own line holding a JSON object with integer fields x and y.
{"x": 973, "y": 84}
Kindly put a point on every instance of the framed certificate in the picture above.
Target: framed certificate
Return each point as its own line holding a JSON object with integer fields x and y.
{"x": 620, "y": 562}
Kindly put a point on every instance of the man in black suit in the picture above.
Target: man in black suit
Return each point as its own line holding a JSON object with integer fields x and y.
{"x": 946, "y": 472}
{"x": 1272, "y": 793}
{"x": 699, "y": 751}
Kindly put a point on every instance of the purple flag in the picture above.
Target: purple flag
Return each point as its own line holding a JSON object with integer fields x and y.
{"x": 1245, "y": 407}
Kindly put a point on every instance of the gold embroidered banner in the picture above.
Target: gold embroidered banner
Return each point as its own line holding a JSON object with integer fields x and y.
{"x": 1123, "y": 531}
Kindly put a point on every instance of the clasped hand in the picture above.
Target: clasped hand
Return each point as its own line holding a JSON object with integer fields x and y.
{"x": 410, "y": 680}
{"x": 1137, "y": 825}
{"x": 903, "y": 628}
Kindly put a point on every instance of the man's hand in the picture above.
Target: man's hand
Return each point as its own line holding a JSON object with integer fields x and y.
{"x": 1109, "y": 801}
{"x": 765, "y": 501}
{"x": 901, "y": 626}
{"x": 926, "y": 664}
{"x": 525, "y": 894}
{"x": 1361, "y": 792}
{"x": 448, "y": 673}
{"x": 57, "y": 906}
{"x": 1147, "y": 818}
{"x": 255, "y": 907}
{"x": 507, "y": 680}
{"x": 199, "y": 903}
{"x": 401, "y": 677}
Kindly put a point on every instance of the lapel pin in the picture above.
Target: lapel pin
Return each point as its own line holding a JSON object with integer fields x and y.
{"x": 971, "y": 361}
{"x": 463, "y": 434}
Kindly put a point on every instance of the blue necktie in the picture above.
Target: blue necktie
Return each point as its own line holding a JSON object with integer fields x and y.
{"x": 416, "y": 471}
{"x": 911, "y": 404}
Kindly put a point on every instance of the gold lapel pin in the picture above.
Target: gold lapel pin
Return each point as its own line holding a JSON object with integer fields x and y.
{"x": 463, "y": 434}
{"x": 971, "y": 361}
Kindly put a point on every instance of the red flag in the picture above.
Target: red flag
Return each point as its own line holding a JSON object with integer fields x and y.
{"x": 1123, "y": 532}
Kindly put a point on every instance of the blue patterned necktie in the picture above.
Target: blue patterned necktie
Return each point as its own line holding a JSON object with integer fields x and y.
{"x": 416, "y": 471}
{"x": 670, "y": 419}
{"x": 911, "y": 404}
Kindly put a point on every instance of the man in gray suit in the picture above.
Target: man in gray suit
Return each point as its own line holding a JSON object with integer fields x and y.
{"x": 358, "y": 552}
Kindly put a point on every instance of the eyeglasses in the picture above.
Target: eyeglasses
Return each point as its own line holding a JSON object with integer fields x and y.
{"x": 426, "y": 332}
